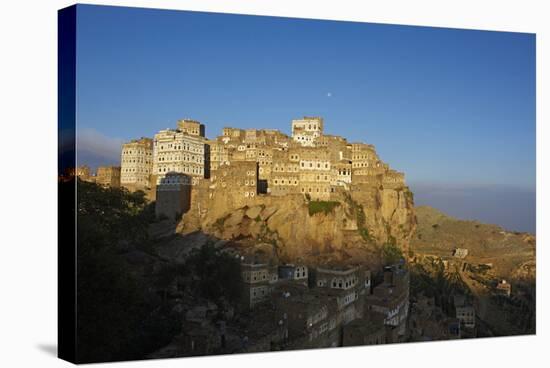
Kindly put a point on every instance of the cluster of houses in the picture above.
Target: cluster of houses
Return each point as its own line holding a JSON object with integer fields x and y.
{"x": 307, "y": 162}
{"x": 293, "y": 306}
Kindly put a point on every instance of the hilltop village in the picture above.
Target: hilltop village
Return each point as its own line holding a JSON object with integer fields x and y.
{"x": 209, "y": 179}
{"x": 301, "y": 216}
{"x": 269, "y": 161}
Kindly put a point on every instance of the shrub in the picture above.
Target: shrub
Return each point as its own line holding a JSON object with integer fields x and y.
{"x": 364, "y": 232}
{"x": 325, "y": 207}
{"x": 391, "y": 253}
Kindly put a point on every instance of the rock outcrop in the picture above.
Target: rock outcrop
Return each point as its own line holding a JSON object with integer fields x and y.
{"x": 354, "y": 222}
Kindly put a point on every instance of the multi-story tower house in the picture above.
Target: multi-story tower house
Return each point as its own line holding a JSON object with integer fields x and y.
{"x": 306, "y": 131}
{"x": 316, "y": 173}
{"x": 340, "y": 154}
{"x": 181, "y": 152}
{"x": 136, "y": 163}
{"x": 265, "y": 161}
{"x": 285, "y": 174}
{"x": 364, "y": 156}
{"x": 219, "y": 154}
{"x": 365, "y": 163}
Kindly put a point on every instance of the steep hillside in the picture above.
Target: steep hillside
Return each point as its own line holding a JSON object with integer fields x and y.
{"x": 512, "y": 253}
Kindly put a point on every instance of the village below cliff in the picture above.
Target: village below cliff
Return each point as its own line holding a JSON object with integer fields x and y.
{"x": 260, "y": 241}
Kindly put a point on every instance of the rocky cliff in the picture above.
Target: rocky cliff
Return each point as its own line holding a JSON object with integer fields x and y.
{"x": 352, "y": 225}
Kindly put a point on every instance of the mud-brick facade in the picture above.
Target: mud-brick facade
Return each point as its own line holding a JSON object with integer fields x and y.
{"x": 136, "y": 163}
{"x": 316, "y": 175}
{"x": 108, "y": 176}
{"x": 285, "y": 174}
{"x": 238, "y": 179}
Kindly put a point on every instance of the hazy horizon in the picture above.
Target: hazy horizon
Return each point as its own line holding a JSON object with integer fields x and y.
{"x": 453, "y": 109}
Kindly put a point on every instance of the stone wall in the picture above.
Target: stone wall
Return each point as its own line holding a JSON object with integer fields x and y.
{"x": 173, "y": 196}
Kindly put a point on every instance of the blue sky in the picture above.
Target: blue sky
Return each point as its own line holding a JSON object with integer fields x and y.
{"x": 448, "y": 107}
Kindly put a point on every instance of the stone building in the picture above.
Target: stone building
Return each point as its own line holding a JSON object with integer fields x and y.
{"x": 316, "y": 176}
{"x": 317, "y": 314}
{"x": 466, "y": 315}
{"x": 191, "y": 127}
{"x": 108, "y": 176}
{"x": 257, "y": 278}
{"x": 338, "y": 277}
{"x": 173, "y": 195}
{"x": 369, "y": 330}
{"x": 464, "y": 311}
{"x": 343, "y": 277}
{"x": 293, "y": 272}
{"x": 219, "y": 154}
{"x": 307, "y": 130}
{"x": 239, "y": 179}
{"x": 307, "y": 315}
{"x": 284, "y": 175}
{"x": 391, "y": 298}
{"x": 136, "y": 163}
{"x": 364, "y": 155}
{"x": 393, "y": 179}
{"x": 182, "y": 150}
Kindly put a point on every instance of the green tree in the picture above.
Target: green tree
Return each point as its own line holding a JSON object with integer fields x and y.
{"x": 119, "y": 316}
{"x": 219, "y": 273}
{"x": 391, "y": 253}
